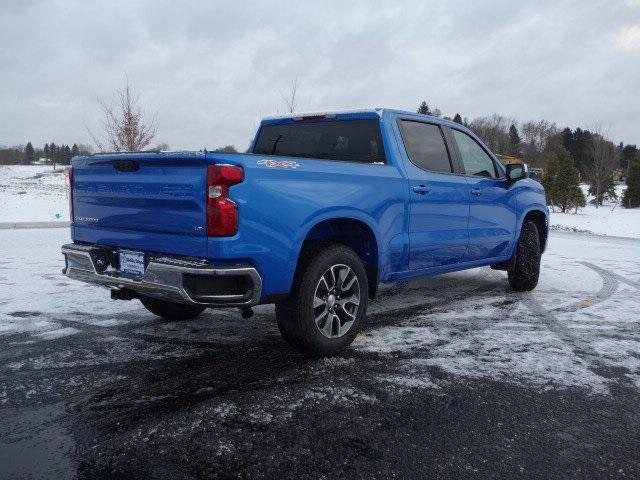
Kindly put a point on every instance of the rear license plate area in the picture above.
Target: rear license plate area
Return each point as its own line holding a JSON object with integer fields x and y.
{"x": 131, "y": 262}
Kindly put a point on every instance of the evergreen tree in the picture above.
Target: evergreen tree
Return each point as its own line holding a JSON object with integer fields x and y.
{"x": 580, "y": 146}
{"x": 576, "y": 196}
{"x": 46, "y": 151}
{"x": 458, "y": 119}
{"x": 631, "y": 197}
{"x": 549, "y": 178}
{"x": 607, "y": 192}
{"x": 628, "y": 154}
{"x": 29, "y": 154}
{"x": 561, "y": 181}
{"x": 53, "y": 154}
{"x": 515, "y": 143}
{"x": 567, "y": 141}
{"x": 75, "y": 151}
{"x": 65, "y": 155}
{"x": 424, "y": 108}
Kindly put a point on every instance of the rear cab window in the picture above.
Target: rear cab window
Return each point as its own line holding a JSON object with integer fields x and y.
{"x": 425, "y": 146}
{"x": 342, "y": 140}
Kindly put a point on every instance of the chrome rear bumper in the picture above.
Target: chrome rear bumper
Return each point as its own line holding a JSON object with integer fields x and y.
{"x": 168, "y": 278}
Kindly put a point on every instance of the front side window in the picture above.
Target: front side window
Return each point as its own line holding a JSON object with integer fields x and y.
{"x": 475, "y": 159}
{"x": 347, "y": 140}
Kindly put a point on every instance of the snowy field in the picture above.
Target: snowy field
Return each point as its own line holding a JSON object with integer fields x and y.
{"x": 609, "y": 219}
{"x": 32, "y": 193}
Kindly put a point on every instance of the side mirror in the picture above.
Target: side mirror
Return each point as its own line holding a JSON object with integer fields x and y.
{"x": 517, "y": 171}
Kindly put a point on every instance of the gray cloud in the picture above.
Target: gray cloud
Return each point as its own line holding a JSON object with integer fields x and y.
{"x": 211, "y": 69}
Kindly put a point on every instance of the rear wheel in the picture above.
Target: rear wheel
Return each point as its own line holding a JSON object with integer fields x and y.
{"x": 524, "y": 274}
{"x": 171, "y": 310}
{"x": 328, "y": 303}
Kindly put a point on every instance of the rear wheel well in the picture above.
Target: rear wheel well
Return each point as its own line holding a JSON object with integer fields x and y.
{"x": 352, "y": 233}
{"x": 540, "y": 221}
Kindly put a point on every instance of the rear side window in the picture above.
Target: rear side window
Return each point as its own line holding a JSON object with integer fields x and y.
{"x": 475, "y": 159}
{"x": 425, "y": 146}
{"x": 347, "y": 140}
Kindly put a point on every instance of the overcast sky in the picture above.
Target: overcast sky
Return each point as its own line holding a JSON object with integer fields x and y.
{"x": 210, "y": 69}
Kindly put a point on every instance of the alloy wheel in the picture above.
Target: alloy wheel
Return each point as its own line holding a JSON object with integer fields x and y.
{"x": 336, "y": 301}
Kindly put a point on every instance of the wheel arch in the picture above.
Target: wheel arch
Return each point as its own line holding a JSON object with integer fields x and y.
{"x": 355, "y": 233}
{"x": 541, "y": 220}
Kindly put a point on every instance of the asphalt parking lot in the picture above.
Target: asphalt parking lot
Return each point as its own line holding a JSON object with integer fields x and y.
{"x": 453, "y": 377}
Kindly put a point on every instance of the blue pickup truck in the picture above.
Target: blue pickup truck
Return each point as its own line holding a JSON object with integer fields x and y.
{"x": 322, "y": 209}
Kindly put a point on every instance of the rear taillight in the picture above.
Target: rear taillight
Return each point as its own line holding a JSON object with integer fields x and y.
{"x": 222, "y": 213}
{"x": 68, "y": 172}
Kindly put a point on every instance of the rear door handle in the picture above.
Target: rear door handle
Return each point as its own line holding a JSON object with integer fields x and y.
{"x": 421, "y": 189}
{"x": 476, "y": 191}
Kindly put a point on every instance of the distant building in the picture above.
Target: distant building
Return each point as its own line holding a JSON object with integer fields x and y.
{"x": 509, "y": 160}
{"x": 618, "y": 175}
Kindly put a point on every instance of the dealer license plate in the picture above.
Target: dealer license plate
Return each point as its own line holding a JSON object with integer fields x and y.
{"x": 132, "y": 262}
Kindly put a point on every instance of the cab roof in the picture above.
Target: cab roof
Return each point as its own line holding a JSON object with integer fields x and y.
{"x": 367, "y": 113}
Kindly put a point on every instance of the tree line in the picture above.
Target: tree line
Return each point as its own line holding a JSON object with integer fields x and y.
{"x": 567, "y": 157}
{"x": 54, "y": 154}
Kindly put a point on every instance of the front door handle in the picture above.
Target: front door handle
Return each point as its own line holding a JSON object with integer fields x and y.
{"x": 476, "y": 191}
{"x": 421, "y": 189}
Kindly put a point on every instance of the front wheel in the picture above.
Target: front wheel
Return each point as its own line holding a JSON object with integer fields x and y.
{"x": 524, "y": 274}
{"x": 328, "y": 303}
{"x": 171, "y": 310}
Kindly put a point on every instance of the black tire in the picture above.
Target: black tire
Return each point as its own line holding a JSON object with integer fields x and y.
{"x": 287, "y": 331}
{"x": 171, "y": 310}
{"x": 524, "y": 274}
{"x": 296, "y": 316}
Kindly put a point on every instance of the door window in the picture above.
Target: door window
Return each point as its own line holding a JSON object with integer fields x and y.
{"x": 475, "y": 159}
{"x": 425, "y": 146}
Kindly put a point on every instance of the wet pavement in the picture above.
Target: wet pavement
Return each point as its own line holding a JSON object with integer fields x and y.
{"x": 453, "y": 377}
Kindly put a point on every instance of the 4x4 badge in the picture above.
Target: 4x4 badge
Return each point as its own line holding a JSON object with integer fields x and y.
{"x": 278, "y": 163}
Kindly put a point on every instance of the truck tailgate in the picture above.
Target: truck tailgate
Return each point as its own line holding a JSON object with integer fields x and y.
{"x": 151, "y": 193}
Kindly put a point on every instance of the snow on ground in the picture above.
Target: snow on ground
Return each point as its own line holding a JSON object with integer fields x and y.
{"x": 579, "y": 328}
{"x": 609, "y": 219}
{"x": 580, "y": 322}
{"x": 32, "y": 284}
{"x": 32, "y": 193}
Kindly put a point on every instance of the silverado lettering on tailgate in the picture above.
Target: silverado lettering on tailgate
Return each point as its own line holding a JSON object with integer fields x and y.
{"x": 134, "y": 190}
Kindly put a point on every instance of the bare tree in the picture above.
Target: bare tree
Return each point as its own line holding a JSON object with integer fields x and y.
{"x": 290, "y": 98}
{"x": 536, "y": 137}
{"x": 604, "y": 159}
{"x": 494, "y": 131}
{"x": 125, "y": 125}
